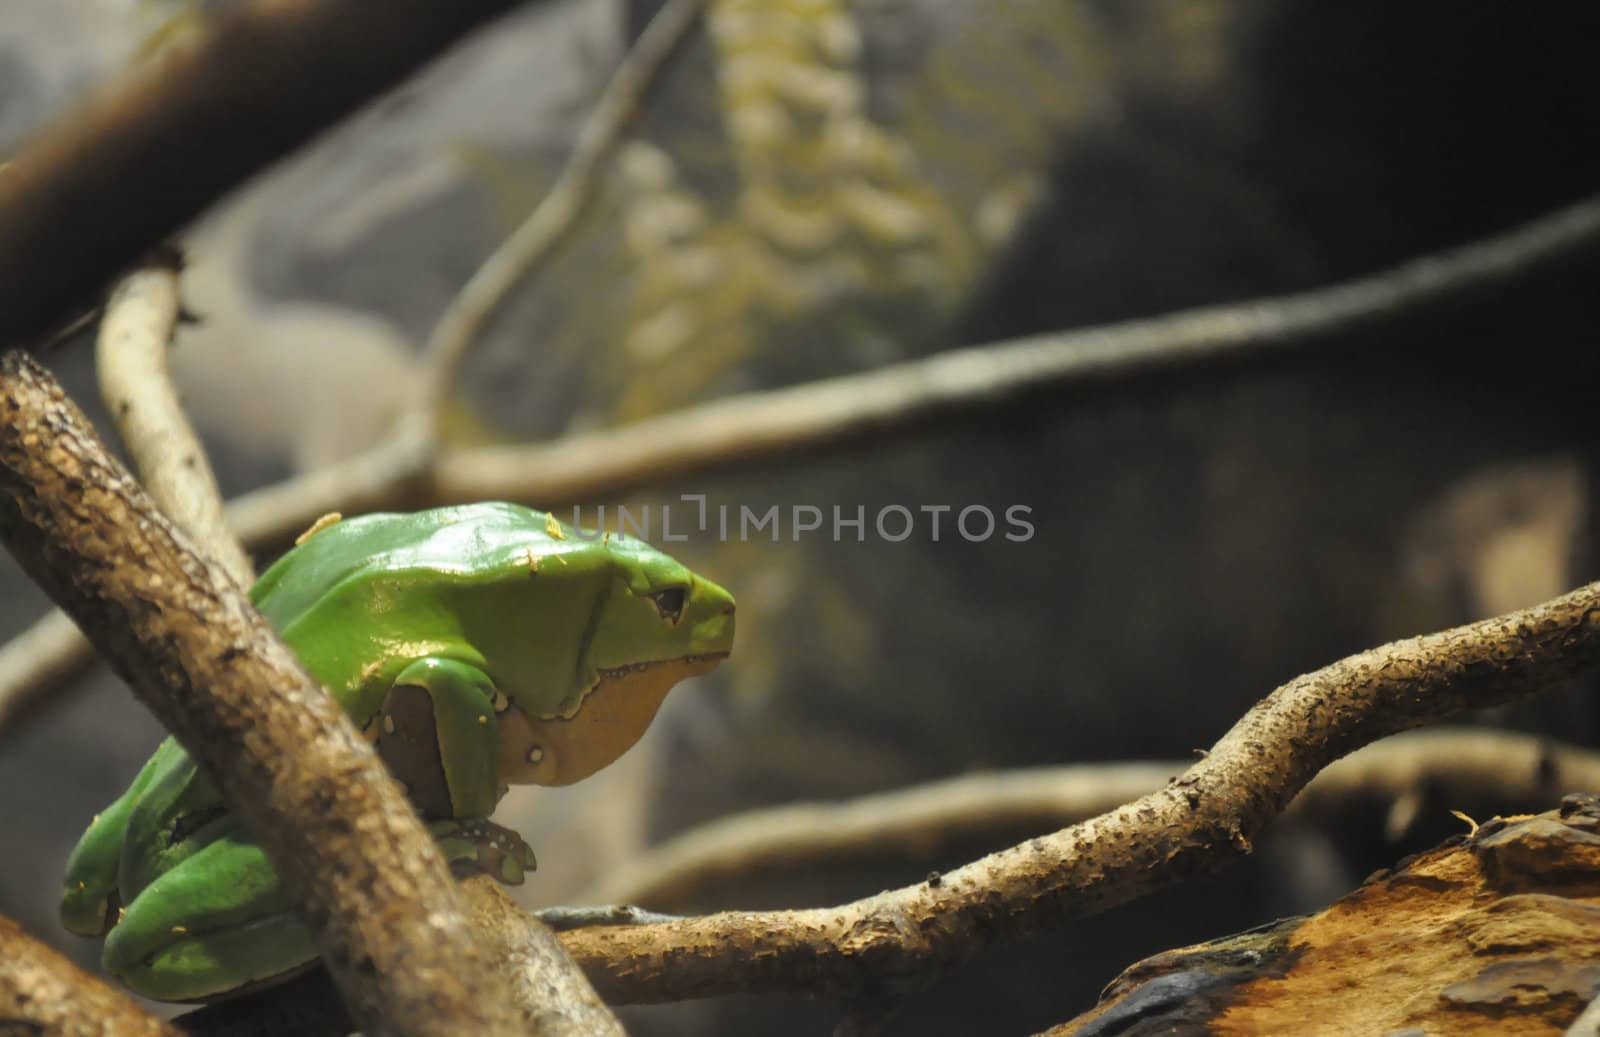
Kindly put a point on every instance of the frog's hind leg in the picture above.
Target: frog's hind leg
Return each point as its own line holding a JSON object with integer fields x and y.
{"x": 224, "y": 962}
{"x": 217, "y": 923}
{"x": 91, "y": 898}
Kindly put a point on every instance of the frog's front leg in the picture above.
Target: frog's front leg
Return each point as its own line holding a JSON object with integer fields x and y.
{"x": 477, "y": 845}
{"x": 436, "y": 731}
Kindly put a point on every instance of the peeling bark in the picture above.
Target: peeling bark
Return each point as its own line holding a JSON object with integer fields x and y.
{"x": 1489, "y": 934}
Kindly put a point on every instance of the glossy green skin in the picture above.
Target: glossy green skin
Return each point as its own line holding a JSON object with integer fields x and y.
{"x": 488, "y": 609}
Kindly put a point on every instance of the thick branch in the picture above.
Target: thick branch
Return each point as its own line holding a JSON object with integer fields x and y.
{"x": 1195, "y": 824}
{"x": 376, "y": 893}
{"x": 546, "y": 983}
{"x": 925, "y": 822}
{"x": 136, "y": 384}
{"x": 42, "y": 994}
{"x": 254, "y": 84}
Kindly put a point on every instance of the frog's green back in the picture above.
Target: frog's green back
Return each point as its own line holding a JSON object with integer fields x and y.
{"x": 441, "y": 540}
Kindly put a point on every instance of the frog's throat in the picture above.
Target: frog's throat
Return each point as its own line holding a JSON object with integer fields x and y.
{"x": 613, "y": 715}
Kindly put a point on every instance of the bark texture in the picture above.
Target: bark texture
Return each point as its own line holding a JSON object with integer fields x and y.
{"x": 42, "y": 994}
{"x": 376, "y": 892}
{"x": 1490, "y": 934}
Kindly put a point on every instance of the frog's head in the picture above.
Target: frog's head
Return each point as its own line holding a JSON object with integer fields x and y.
{"x": 657, "y": 624}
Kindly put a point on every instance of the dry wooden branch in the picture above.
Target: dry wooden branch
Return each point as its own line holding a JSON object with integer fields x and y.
{"x": 375, "y": 890}
{"x": 780, "y": 423}
{"x": 42, "y": 994}
{"x": 252, "y": 85}
{"x": 538, "y": 237}
{"x": 1492, "y": 933}
{"x": 135, "y": 382}
{"x": 902, "y": 397}
{"x": 41, "y": 660}
{"x": 547, "y": 984}
{"x": 1198, "y": 822}
{"x": 923, "y": 822}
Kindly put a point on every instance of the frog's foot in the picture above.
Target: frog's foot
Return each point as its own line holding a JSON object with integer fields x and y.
{"x": 212, "y": 965}
{"x": 217, "y": 923}
{"x": 479, "y": 845}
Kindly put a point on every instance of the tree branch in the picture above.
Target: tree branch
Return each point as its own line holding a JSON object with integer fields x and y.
{"x": 553, "y": 993}
{"x": 925, "y": 822}
{"x": 38, "y": 662}
{"x": 901, "y": 397}
{"x": 538, "y": 237}
{"x": 252, "y": 84}
{"x": 375, "y": 890}
{"x": 42, "y": 994}
{"x": 1193, "y": 825}
{"x": 131, "y": 359}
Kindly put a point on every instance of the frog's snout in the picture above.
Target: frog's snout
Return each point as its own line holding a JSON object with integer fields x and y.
{"x": 711, "y": 620}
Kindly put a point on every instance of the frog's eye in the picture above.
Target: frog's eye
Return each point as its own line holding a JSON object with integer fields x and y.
{"x": 669, "y": 603}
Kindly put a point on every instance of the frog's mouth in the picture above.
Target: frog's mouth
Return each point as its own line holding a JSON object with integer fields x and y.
{"x": 559, "y": 750}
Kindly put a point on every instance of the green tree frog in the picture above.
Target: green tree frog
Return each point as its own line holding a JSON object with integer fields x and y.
{"x": 476, "y": 646}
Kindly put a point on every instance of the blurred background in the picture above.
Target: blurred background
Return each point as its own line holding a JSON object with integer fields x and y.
{"x": 824, "y": 187}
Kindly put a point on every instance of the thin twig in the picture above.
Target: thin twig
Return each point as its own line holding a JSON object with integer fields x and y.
{"x": 377, "y": 895}
{"x": 924, "y": 822}
{"x": 35, "y": 664}
{"x": 1196, "y": 823}
{"x": 896, "y": 399}
{"x": 135, "y": 382}
{"x": 252, "y": 84}
{"x": 41, "y": 993}
{"x": 535, "y": 241}
{"x": 769, "y": 425}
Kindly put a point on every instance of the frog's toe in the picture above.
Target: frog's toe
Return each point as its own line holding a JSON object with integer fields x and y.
{"x": 88, "y": 911}
{"x": 478, "y": 845}
{"x": 209, "y": 965}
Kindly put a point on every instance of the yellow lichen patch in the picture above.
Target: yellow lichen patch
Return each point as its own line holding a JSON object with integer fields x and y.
{"x": 318, "y": 526}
